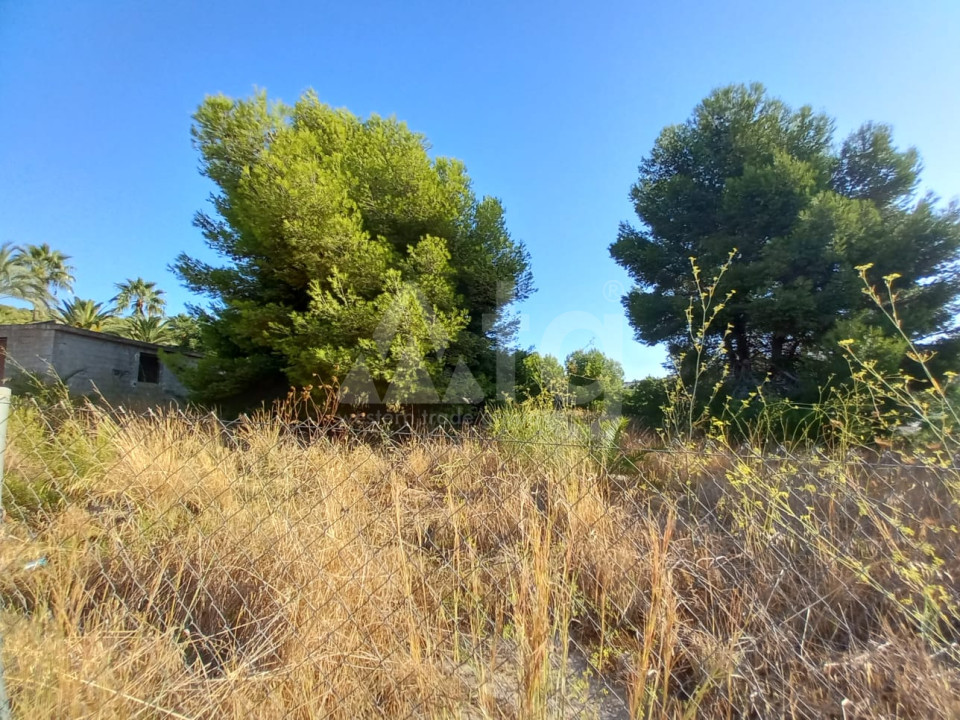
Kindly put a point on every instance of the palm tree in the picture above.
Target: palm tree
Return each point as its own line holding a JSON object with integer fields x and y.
{"x": 141, "y": 296}
{"x": 15, "y": 279}
{"x": 85, "y": 314}
{"x": 156, "y": 330}
{"x": 50, "y": 270}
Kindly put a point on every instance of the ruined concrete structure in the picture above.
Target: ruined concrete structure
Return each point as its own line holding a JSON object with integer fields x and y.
{"x": 122, "y": 371}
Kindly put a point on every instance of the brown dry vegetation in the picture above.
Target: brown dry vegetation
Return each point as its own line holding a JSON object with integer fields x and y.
{"x": 194, "y": 571}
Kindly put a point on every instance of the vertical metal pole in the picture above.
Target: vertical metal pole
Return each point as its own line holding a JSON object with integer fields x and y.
{"x": 4, "y": 416}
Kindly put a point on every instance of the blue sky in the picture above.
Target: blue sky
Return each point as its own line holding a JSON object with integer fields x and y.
{"x": 551, "y": 105}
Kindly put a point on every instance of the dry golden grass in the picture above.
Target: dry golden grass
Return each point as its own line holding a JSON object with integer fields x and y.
{"x": 261, "y": 572}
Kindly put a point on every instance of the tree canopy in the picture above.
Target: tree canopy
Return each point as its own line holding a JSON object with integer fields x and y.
{"x": 85, "y": 314}
{"x": 541, "y": 376}
{"x": 349, "y": 255}
{"x": 141, "y": 297}
{"x": 746, "y": 172}
{"x": 52, "y": 273}
{"x": 596, "y": 380}
{"x": 34, "y": 273}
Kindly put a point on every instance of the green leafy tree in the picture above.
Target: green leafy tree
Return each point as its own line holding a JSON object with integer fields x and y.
{"x": 10, "y": 315}
{"x": 349, "y": 255}
{"x": 86, "y": 315}
{"x": 644, "y": 400}
{"x": 747, "y": 172}
{"x": 186, "y": 332}
{"x": 596, "y": 381}
{"x": 143, "y": 298}
{"x": 51, "y": 273}
{"x": 541, "y": 376}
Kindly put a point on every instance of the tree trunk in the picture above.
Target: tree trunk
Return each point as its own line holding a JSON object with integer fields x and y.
{"x": 776, "y": 350}
{"x": 742, "y": 369}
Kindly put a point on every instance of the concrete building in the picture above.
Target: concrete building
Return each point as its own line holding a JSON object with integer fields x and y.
{"x": 122, "y": 371}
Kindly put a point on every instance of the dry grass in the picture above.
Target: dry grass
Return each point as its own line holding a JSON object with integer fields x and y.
{"x": 195, "y": 572}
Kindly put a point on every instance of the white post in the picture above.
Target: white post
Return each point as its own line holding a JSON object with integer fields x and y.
{"x": 4, "y": 416}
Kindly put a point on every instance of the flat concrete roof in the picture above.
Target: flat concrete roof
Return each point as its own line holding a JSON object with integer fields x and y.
{"x": 107, "y": 337}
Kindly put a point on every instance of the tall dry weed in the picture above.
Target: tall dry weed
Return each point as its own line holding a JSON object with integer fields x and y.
{"x": 170, "y": 565}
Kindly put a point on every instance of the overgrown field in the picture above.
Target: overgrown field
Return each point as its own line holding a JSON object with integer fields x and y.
{"x": 169, "y": 566}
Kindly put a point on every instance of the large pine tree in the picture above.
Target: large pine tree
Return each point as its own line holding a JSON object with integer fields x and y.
{"x": 747, "y": 172}
{"x": 345, "y": 247}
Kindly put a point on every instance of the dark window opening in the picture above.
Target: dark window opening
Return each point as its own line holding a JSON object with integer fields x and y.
{"x": 3, "y": 358}
{"x": 149, "y": 370}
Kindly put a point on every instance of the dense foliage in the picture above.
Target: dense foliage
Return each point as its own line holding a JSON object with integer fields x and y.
{"x": 748, "y": 173}
{"x": 596, "y": 381}
{"x": 541, "y": 378}
{"x": 587, "y": 379}
{"x": 350, "y": 256}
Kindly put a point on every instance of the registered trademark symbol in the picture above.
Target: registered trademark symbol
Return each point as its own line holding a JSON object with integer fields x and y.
{"x": 612, "y": 291}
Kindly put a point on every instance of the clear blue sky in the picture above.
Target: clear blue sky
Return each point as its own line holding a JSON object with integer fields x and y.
{"x": 551, "y": 105}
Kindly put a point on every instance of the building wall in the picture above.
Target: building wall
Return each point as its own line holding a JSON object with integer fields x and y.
{"x": 29, "y": 348}
{"x": 90, "y": 364}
